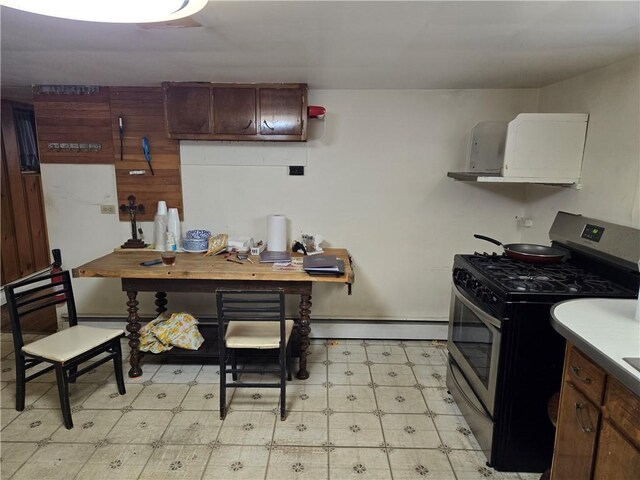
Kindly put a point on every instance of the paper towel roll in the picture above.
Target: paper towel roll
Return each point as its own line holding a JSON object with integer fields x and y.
{"x": 277, "y": 233}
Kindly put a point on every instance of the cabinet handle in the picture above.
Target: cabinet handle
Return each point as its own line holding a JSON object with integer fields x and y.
{"x": 579, "y": 408}
{"x": 248, "y": 125}
{"x": 267, "y": 125}
{"x": 576, "y": 372}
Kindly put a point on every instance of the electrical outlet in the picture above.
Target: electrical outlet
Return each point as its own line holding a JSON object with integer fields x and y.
{"x": 108, "y": 209}
{"x": 296, "y": 170}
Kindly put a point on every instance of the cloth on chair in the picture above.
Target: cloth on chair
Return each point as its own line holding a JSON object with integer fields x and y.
{"x": 163, "y": 333}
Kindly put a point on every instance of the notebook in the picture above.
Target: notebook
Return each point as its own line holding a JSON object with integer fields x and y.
{"x": 323, "y": 265}
{"x": 273, "y": 257}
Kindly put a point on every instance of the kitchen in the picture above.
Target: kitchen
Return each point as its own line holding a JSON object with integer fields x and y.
{"x": 382, "y": 151}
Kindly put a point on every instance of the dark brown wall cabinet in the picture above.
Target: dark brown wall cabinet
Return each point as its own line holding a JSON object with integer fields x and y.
{"x": 188, "y": 109}
{"x": 264, "y": 112}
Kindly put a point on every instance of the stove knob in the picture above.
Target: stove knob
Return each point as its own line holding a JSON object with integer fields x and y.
{"x": 486, "y": 295}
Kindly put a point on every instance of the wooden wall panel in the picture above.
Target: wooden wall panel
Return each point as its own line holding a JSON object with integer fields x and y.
{"x": 10, "y": 263}
{"x": 142, "y": 110}
{"x": 74, "y": 118}
{"x": 25, "y": 247}
{"x": 37, "y": 221}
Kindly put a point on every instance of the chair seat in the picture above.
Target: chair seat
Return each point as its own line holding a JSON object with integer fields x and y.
{"x": 260, "y": 335}
{"x": 71, "y": 342}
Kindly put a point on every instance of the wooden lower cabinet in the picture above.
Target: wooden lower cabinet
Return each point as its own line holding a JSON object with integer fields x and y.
{"x": 576, "y": 435}
{"x": 598, "y": 440}
{"x": 618, "y": 458}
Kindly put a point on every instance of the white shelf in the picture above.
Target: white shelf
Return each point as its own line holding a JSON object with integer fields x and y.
{"x": 489, "y": 178}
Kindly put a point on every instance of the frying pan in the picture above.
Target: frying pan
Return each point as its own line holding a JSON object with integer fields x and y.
{"x": 528, "y": 252}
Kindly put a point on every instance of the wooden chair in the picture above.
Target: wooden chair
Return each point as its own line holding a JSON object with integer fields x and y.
{"x": 253, "y": 319}
{"x": 64, "y": 350}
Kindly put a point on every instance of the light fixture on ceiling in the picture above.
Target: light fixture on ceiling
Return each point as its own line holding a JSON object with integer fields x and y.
{"x": 111, "y": 11}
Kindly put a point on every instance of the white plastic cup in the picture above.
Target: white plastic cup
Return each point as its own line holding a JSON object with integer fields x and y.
{"x": 160, "y": 232}
{"x": 173, "y": 225}
{"x": 162, "y": 208}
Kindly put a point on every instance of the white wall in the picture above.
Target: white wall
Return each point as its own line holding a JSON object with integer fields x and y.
{"x": 611, "y": 165}
{"x": 375, "y": 183}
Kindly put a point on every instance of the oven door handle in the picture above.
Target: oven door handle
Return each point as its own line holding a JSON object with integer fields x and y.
{"x": 482, "y": 315}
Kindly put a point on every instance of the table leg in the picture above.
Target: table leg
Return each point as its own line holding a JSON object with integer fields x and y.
{"x": 305, "y": 330}
{"x": 161, "y": 302}
{"x": 133, "y": 327}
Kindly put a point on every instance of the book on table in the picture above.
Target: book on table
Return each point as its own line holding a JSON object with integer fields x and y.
{"x": 273, "y": 257}
{"x": 323, "y": 265}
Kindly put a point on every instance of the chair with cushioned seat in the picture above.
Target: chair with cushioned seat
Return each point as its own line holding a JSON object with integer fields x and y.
{"x": 65, "y": 350}
{"x": 253, "y": 319}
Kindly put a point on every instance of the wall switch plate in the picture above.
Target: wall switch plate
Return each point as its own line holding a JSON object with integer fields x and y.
{"x": 108, "y": 209}
{"x": 296, "y": 170}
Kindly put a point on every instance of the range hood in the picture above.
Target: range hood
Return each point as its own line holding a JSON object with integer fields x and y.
{"x": 544, "y": 148}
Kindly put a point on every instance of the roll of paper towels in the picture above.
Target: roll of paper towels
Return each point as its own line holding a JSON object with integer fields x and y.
{"x": 277, "y": 233}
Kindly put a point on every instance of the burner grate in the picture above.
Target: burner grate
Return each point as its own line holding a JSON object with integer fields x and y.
{"x": 561, "y": 277}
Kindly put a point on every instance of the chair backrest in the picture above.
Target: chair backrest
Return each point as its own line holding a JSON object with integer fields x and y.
{"x": 250, "y": 305}
{"x": 37, "y": 293}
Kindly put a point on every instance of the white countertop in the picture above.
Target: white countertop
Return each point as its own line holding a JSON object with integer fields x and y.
{"x": 605, "y": 330}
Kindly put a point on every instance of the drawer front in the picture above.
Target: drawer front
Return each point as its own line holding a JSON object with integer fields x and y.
{"x": 586, "y": 375}
{"x": 622, "y": 407}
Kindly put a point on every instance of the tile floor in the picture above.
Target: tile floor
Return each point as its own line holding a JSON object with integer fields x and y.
{"x": 369, "y": 410}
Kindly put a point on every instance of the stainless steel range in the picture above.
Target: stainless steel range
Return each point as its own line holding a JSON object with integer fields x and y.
{"x": 505, "y": 360}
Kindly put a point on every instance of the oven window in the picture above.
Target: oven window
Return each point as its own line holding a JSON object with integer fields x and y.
{"x": 474, "y": 340}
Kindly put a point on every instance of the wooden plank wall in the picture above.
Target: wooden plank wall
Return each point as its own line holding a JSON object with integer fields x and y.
{"x": 73, "y": 118}
{"x": 142, "y": 110}
{"x": 25, "y": 247}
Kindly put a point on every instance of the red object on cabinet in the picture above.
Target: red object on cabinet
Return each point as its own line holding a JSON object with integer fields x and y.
{"x": 316, "y": 111}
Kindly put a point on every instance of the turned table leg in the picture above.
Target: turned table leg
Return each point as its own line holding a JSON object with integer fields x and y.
{"x": 305, "y": 330}
{"x": 161, "y": 302}
{"x": 133, "y": 327}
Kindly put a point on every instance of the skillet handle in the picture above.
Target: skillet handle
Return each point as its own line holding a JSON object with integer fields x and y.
{"x": 489, "y": 239}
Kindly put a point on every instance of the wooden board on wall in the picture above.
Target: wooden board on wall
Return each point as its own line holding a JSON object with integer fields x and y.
{"x": 25, "y": 247}
{"x": 73, "y": 118}
{"x": 142, "y": 111}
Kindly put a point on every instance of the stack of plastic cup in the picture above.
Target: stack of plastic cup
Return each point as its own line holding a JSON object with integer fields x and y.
{"x": 173, "y": 226}
{"x": 160, "y": 227}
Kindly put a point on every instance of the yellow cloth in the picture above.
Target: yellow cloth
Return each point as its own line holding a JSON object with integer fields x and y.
{"x": 163, "y": 333}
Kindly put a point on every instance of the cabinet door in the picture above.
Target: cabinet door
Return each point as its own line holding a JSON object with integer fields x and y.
{"x": 188, "y": 110}
{"x": 234, "y": 111}
{"x": 281, "y": 111}
{"x": 575, "y": 437}
{"x": 617, "y": 458}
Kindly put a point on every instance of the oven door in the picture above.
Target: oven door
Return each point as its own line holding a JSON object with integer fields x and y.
{"x": 474, "y": 343}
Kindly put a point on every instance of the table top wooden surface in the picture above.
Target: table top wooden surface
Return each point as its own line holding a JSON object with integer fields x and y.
{"x": 126, "y": 264}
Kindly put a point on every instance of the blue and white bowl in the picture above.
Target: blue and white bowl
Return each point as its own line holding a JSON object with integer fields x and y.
{"x": 197, "y": 235}
{"x": 195, "y": 244}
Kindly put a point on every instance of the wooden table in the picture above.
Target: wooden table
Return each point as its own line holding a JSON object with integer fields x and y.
{"x": 197, "y": 273}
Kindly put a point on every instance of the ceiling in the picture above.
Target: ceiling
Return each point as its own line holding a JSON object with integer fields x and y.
{"x": 331, "y": 45}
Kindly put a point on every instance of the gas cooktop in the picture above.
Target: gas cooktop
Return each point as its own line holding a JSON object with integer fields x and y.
{"x": 515, "y": 276}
